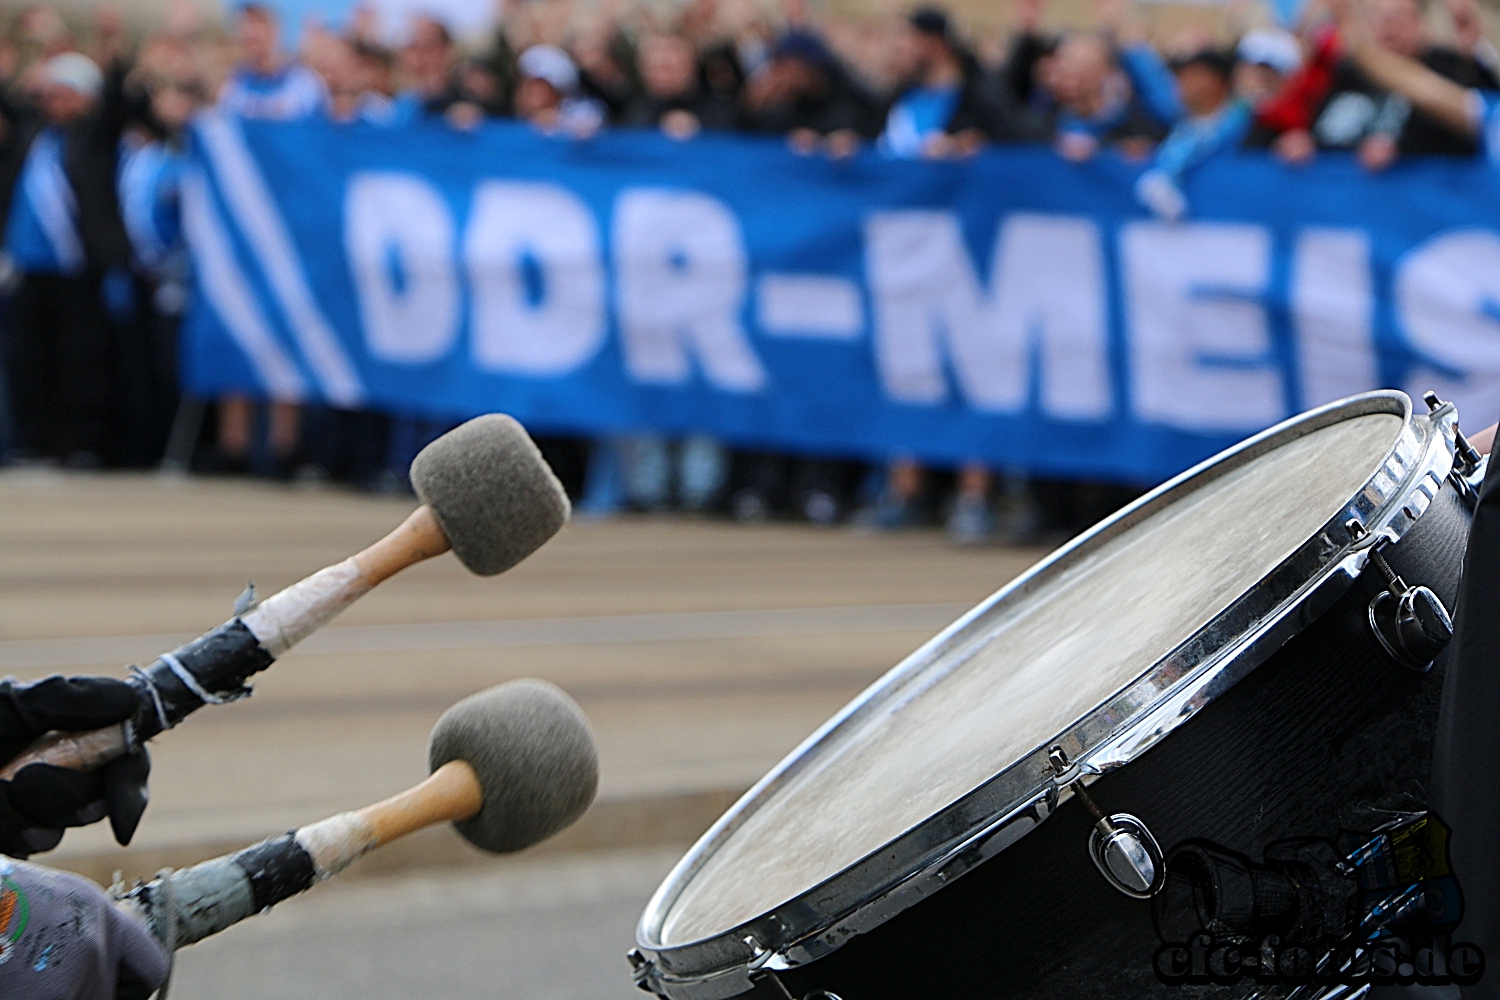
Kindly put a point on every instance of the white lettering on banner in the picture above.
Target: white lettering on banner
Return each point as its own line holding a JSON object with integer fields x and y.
{"x": 810, "y": 306}
{"x": 398, "y": 234}
{"x": 1200, "y": 343}
{"x": 1447, "y": 295}
{"x": 534, "y": 262}
{"x": 1333, "y": 306}
{"x": 1047, "y": 297}
{"x": 680, "y": 267}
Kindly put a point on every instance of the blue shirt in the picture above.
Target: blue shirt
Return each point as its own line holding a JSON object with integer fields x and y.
{"x": 1193, "y": 140}
{"x": 917, "y": 115}
{"x": 41, "y": 234}
{"x": 149, "y": 184}
{"x": 1484, "y": 109}
{"x": 290, "y": 93}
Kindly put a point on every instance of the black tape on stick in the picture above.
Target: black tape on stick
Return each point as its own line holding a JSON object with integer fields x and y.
{"x": 213, "y": 668}
{"x": 278, "y": 869}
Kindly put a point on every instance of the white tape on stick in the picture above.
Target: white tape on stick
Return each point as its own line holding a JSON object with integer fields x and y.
{"x": 289, "y": 616}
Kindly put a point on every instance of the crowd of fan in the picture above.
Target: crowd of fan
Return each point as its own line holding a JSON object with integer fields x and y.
{"x": 95, "y": 276}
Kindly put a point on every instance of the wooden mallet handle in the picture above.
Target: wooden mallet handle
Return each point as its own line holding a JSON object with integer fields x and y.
{"x": 190, "y": 904}
{"x": 416, "y": 539}
{"x": 451, "y": 793}
{"x": 279, "y": 622}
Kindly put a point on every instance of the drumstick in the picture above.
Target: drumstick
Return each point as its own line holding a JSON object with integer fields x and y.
{"x": 487, "y": 494}
{"x": 511, "y": 766}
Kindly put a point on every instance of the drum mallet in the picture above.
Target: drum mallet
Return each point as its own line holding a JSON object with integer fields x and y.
{"x": 511, "y": 766}
{"x": 486, "y": 493}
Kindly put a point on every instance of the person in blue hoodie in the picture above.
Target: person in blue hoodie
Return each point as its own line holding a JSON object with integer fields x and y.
{"x": 1212, "y": 119}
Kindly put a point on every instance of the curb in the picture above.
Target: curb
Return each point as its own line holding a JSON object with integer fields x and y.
{"x": 611, "y": 824}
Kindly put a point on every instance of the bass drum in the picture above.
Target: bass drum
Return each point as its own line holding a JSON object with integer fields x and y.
{"x": 1237, "y": 657}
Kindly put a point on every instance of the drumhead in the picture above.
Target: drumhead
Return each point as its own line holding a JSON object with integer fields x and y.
{"x": 1037, "y": 665}
{"x": 1096, "y": 639}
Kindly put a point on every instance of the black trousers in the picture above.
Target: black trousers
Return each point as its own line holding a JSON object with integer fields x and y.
{"x": 146, "y": 352}
{"x": 61, "y": 365}
{"x": 1466, "y": 762}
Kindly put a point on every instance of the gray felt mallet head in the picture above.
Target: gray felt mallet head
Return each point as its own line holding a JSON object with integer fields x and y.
{"x": 511, "y": 766}
{"x": 531, "y": 748}
{"x": 491, "y": 492}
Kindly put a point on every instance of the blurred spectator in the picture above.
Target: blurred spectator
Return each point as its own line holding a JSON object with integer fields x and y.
{"x": 431, "y": 66}
{"x": 804, "y": 94}
{"x": 265, "y": 84}
{"x": 606, "y": 69}
{"x": 379, "y": 68}
{"x": 1350, "y": 112}
{"x": 675, "y": 98}
{"x": 353, "y": 85}
{"x": 150, "y": 178}
{"x": 483, "y": 88}
{"x": 547, "y": 94}
{"x": 1213, "y": 120}
{"x": 1096, "y": 105}
{"x": 62, "y": 233}
{"x": 660, "y": 473}
{"x": 1473, "y": 112}
{"x": 1264, "y": 60}
{"x": 940, "y": 110}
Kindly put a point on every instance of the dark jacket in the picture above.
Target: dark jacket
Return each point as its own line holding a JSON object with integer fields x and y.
{"x": 842, "y": 104}
{"x": 91, "y": 149}
{"x": 985, "y": 103}
{"x": 647, "y": 110}
{"x": 1356, "y": 108}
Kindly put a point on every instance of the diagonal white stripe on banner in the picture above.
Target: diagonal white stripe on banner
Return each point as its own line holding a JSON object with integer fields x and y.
{"x": 226, "y": 288}
{"x": 257, "y": 216}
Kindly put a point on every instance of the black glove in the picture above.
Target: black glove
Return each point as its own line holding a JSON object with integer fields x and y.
{"x": 42, "y": 800}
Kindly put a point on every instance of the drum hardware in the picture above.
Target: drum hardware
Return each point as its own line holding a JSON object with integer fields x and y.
{"x": 761, "y": 957}
{"x": 1121, "y": 846}
{"x": 1411, "y": 623}
{"x": 787, "y": 994}
{"x": 1465, "y": 457}
{"x": 1468, "y": 464}
{"x": 640, "y": 968}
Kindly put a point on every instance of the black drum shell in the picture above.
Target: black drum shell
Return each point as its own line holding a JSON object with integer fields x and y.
{"x": 1327, "y": 722}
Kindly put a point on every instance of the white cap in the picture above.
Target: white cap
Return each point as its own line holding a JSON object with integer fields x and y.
{"x": 76, "y": 71}
{"x": 1271, "y": 47}
{"x": 550, "y": 63}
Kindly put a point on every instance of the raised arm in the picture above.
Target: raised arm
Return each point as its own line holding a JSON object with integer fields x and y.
{"x": 1439, "y": 97}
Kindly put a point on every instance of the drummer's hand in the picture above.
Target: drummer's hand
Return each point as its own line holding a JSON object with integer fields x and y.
{"x": 42, "y": 800}
{"x": 1484, "y": 440}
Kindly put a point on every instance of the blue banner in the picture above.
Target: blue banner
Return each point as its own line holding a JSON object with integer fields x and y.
{"x": 1012, "y": 308}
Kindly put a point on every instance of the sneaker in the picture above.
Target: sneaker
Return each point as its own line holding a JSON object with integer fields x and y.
{"x": 749, "y": 505}
{"x": 890, "y": 513}
{"x": 310, "y": 476}
{"x": 970, "y": 521}
{"x": 390, "y": 483}
{"x": 820, "y": 507}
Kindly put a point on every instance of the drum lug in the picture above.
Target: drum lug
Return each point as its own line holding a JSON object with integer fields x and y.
{"x": 640, "y": 968}
{"x": 1465, "y": 458}
{"x": 1468, "y": 465}
{"x": 1121, "y": 846}
{"x": 1410, "y": 623}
